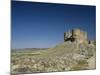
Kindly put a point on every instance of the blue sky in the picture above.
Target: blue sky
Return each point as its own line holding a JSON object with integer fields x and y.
{"x": 42, "y": 25}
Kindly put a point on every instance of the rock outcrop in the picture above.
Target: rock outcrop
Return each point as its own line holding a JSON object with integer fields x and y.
{"x": 75, "y": 53}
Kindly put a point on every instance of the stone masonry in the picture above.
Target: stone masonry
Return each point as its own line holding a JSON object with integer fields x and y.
{"x": 75, "y": 35}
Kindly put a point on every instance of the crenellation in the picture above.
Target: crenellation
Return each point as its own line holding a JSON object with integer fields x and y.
{"x": 75, "y": 35}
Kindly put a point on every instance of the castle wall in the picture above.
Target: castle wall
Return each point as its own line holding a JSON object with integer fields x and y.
{"x": 75, "y": 35}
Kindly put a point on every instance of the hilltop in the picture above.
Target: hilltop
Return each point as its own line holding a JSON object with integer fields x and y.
{"x": 75, "y": 53}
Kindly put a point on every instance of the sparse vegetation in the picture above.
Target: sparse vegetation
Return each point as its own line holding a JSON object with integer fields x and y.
{"x": 81, "y": 65}
{"x": 60, "y": 58}
{"x": 70, "y": 55}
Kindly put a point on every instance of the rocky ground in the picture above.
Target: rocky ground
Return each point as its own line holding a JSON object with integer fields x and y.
{"x": 67, "y": 56}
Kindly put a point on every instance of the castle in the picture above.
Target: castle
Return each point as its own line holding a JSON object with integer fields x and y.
{"x": 75, "y": 35}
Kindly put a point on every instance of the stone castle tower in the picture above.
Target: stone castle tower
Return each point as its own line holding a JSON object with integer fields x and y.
{"x": 75, "y": 35}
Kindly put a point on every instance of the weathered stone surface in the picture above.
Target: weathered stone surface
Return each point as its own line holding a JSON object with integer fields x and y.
{"x": 75, "y": 35}
{"x": 76, "y": 53}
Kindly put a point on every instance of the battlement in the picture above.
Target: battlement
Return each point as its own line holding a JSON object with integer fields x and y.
{"x": 75, "y": 35}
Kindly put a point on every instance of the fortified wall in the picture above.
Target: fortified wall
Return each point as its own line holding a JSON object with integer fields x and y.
{"x": 75, "y": 35}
